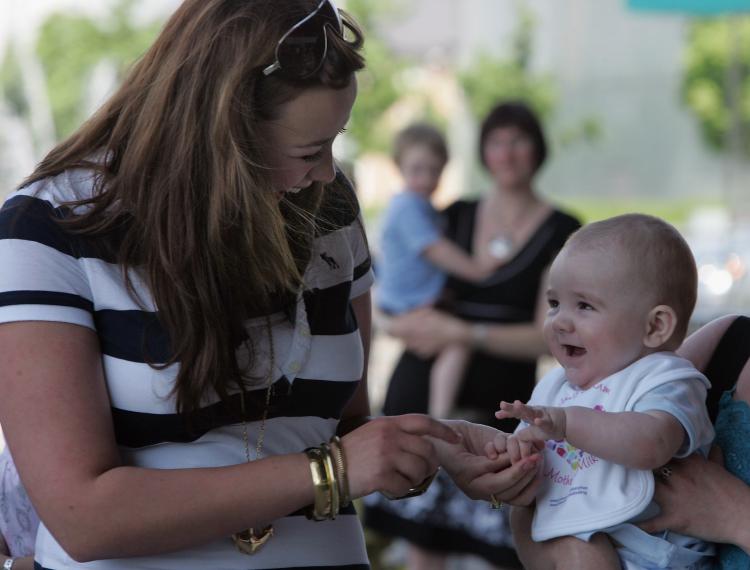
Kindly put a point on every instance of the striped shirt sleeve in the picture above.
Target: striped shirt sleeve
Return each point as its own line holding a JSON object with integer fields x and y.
{"x": 42, "y": 278}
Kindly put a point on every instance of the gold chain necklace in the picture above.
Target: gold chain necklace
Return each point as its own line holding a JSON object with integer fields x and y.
{"x": 250, "y": 540}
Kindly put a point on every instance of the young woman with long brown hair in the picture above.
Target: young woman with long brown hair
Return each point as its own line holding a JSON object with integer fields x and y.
{"x": 185, "y": 314}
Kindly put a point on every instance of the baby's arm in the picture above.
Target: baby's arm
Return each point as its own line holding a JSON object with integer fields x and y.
{"x": 446, "y": 255}
{"x": 640, "y": 440}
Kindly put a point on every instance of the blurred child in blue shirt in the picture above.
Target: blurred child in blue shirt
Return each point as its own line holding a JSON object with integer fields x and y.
{"x": 416, "y": 258}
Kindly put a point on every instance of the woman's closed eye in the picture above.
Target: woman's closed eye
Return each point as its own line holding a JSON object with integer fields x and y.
{"x": 314, "y": 157}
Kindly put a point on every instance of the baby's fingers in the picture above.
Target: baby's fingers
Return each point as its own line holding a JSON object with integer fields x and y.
{"x": 517, "y": 410}
{"x": 506, "y": 411}
{"x": 496, "y": 446}
{"x": 514, "y": 449}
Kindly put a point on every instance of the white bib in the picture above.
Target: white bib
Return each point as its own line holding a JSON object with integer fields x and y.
{"x": 580, "y": 492}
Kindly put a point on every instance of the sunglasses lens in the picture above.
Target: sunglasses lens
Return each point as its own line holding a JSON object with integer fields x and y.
{"x": 301, "y": 55}
{"x": 302, "y": 52}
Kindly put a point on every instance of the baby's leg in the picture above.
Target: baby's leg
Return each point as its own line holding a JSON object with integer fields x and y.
{"x": 597, "y": 554}
{"x": 564, "y": 553}
{"x": 445, "y": 379}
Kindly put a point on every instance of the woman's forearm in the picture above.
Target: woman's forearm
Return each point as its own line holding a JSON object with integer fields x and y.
{"x": 130, "y": 511}
{"x": 232, "y": 498}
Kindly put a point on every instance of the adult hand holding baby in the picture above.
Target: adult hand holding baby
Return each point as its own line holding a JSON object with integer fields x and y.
{"x": 480, "y": 476}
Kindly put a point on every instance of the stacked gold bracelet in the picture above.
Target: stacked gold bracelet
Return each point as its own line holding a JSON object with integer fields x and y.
{"x": 328, "y": 470}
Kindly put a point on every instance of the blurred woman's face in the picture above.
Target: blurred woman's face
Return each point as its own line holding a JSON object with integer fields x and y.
{"x": 510, "y": 157}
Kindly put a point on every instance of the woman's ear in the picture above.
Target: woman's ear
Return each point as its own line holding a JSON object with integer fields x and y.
{"x": 660, "y": 326}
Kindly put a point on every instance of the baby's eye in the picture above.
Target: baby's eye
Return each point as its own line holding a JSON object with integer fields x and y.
{"x": 312, "y": 157}
{"x": 585, "y": 306}
{"x": 553, "y": 303}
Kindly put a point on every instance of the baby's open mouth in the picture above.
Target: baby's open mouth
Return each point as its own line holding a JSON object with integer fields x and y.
{"x": 571, "y": 350}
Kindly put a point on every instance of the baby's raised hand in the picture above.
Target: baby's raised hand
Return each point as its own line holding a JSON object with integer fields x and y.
{"x": 544, "y": 422}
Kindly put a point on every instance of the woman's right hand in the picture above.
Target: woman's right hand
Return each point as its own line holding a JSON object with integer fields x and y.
{"x": 392, "y": 454}
{"x": 479, "y": 476}
{"x": 700, "y": 498}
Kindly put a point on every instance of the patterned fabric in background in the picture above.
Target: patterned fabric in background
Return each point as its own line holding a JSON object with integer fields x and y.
{"x": 444, "y": 506}
{"x": 18, "y": 519}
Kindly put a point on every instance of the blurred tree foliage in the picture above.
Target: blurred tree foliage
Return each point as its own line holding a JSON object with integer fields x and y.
{"x": 11, "y": 85}
{"x": 490, "y": 79}
{"x": 706, "y": 83}
{"x": 379, "y": 86}
{"x": 71, "y": 45}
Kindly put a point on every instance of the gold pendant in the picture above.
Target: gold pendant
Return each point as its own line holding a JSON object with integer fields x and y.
{"x": 248, "y": 542}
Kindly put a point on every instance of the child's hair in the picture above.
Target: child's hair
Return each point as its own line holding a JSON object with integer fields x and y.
{"x": 420, "y": 134}
{"x": 656, "y": 253}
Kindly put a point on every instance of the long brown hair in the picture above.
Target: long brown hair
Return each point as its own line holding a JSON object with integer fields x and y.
{"x": 182, "y": 179}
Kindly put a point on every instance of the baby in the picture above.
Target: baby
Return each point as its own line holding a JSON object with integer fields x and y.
{"x": 621, "y": 292}
{"x": 416, "y": 258}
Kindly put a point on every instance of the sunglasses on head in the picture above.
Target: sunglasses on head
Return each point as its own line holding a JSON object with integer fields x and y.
{"x": 302, "y": 50}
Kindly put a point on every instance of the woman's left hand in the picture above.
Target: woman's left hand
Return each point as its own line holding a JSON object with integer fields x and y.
{"x": 427, "y": 331}
{"x": 700, "y": 498}
{"x": 478, "y": 476}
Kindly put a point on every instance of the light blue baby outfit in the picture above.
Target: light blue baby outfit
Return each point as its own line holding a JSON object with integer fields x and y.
{"x": 406, "y": 279}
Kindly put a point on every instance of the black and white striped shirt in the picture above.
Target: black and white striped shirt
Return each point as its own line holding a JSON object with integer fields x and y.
{"x": 50, "y": 275}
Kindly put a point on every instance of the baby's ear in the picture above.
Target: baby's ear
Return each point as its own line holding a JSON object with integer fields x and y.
{"x": 660, "y": 326}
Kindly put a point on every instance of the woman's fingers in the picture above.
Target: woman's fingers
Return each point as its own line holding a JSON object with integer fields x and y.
{"x": 479, "y": 479}
{"x": 515, "y": 479}
{"x": 514, "y": 449}
{"x": 527, "y": 492}
{"x": 413, "y": 469}
{"x": 420, "y": 424}
{"x": 394, "y": 454}
{"x": 656, "y": 524}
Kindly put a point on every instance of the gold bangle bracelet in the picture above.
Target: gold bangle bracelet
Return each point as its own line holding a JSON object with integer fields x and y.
{"x": 331, "y": 475}
{"x": 338, "y": 458}
{"x": 321, "y": 508}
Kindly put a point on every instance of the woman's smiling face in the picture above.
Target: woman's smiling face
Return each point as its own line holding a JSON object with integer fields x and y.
{"x": 301, "y": 138}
